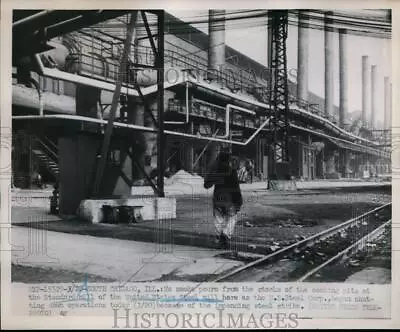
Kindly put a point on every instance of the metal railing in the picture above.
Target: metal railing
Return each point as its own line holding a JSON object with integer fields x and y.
{"x": 100, "y": 57}
{"x": 48, "y": 147}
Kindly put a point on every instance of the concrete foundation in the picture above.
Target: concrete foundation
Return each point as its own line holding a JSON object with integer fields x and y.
{"x": 152, "y": 208}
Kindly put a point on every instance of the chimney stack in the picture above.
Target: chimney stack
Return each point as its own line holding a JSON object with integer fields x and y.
{"x": 343, "y": 77}
{"x": 329, "y": 73}
{"x": 302, "y": 56}
{"x": 216, "y": 41}
{"x": 373, "y": 95}
{"x": 365, "y": 88}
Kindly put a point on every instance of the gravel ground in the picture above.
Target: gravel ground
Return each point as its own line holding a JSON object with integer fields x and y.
{"x": 29, "y": 274}
{"x": 371, "y": 265}
{"x": 274, "y": 219}
{"x": 267, "y": 217}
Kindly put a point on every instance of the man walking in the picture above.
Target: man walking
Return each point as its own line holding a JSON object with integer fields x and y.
{"x": 227, "y": 198}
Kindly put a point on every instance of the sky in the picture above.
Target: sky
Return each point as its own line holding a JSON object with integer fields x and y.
{"x": 249, "y": 37}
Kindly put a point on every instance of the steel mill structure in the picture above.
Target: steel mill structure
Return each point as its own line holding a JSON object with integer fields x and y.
{"x": 106, "y": 101}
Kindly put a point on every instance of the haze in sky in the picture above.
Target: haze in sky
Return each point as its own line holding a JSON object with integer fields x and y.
{"x": 249, "y": 36}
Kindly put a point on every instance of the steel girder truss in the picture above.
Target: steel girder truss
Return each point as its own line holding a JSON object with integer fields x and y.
{"x": 279, "y": 95}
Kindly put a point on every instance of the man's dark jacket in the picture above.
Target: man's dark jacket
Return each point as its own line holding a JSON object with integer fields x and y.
{"x": 227, "y": 192}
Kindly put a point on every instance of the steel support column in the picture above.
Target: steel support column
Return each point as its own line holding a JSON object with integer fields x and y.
{"x": 160, "y": 104}
{"x": 279, "y": 99}
{"x": 107, "y": 136}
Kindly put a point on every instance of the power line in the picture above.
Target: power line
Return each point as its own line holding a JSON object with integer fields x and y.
{"x": 368, "y": 27}
{"x": 320, "y": 24}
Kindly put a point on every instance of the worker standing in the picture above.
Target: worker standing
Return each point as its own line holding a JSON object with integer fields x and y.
{"x": 227, "y": 198}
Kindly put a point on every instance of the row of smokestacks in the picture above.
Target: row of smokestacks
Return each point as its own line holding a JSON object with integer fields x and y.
{"x": 302, "y": 66}
{"x": 369, "y": 95}
{"x": 369, "y": 76}
{"x": 216, "y": 61}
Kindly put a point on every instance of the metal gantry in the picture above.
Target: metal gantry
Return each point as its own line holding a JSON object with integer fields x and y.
{"x": 279, "y": 94}
{"x": 159, "y": 122}
{"x": 115, "y": 101}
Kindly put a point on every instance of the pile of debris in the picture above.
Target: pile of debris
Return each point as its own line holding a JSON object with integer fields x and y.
{"x": 184, "y": 177}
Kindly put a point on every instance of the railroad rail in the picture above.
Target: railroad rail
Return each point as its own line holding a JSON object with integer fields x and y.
{"x": 352, "y": 249}
{"x": 324, "y": 248}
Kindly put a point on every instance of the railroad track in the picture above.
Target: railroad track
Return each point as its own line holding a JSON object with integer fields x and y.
{"x": 303, "y": 259}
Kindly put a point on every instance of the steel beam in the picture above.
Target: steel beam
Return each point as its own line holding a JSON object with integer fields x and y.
{"x": 141, "y": 168}
{"x": 146, "y": 104}
{"x": 160, "y": 103}
{"x": 31, "y": 33}
{"x": 44, "y": 19}
{"x": 149, "y": 34}
{"x": 87, "y": 18}
{"x": 121, "y": 72}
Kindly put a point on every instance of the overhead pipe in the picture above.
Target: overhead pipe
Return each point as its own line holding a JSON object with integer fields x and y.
{"x": 74, "y": 20}
{"x": 140, "y": 128}
{"x": 37, "y": 86}
{"x": 338, "y": 129}
{"x": 32, "y": 17}
{"x": 320, "y": 118}
{"x": 334, "y": 138}
{"x": 169, "y": 132}
{"x": 227, "y": 114}
{"x": 74, "y": 78}
{"x": 78, "y": 79}
{"x": 227, "y": 117}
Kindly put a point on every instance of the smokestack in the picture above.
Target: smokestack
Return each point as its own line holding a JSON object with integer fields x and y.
{"x": 302, "y": 56}
{"x": 373, "y": 95}
{"x": 216, "y": 41}
{"x": 365, "y": 88}
{"x": 329, "y": 73}
{"x": 386, "y": 103}
{"x": 343, "y": 83}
